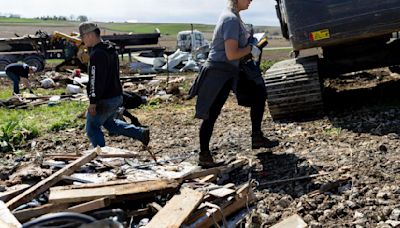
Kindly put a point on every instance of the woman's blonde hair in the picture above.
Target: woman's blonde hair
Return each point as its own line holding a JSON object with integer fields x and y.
{"x": 232, "y": 4}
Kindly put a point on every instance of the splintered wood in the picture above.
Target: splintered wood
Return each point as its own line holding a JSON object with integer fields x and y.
{"x": 177, "y": 209}
{"x": 45, "y": 184}
{"x": 82, "y": 193}
{"x": 198, "y": 200}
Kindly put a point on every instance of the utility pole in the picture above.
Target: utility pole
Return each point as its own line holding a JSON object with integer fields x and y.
{"x": 192, "y": 39}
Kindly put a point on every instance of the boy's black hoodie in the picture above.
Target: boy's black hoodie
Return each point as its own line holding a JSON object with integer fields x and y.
{"x": 103, "y": 71}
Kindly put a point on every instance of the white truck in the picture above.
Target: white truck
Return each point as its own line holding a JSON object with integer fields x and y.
{"x": 186, "y": 43}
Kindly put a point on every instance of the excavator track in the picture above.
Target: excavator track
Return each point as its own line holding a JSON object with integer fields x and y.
{"x": 294, "y": 89}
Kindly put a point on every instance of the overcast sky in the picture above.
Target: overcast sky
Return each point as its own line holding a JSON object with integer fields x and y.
{"x": 261, "y": 12}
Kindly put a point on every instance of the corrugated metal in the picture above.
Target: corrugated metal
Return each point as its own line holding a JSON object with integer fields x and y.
{"x": 346, "y": 20}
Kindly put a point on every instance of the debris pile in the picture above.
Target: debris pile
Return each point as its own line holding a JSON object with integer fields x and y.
{"x": 179, "y": 61}
{"x": 112, "y": 185}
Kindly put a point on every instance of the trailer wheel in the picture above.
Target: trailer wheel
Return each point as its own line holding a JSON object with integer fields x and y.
{"x": 3, "y": 64}
{"x": 36, "y": 61}
{"x": 294, "y": 89}
{"x": 4, "y": 61}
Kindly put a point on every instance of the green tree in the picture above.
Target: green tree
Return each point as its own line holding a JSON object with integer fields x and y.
{"x": 82, "y": 18}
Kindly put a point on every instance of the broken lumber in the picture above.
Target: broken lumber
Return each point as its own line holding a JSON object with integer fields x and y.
{"x": 90, "y": 206}
{"x": 92, "y": 185}
{"x": 201, "y": 173}
{"x": 221, "y": 192}
{"x": 154, "y": 207}
{"x": 215, "y": 171}
{"x": 205, "y": 218}
{"x": 45, "y": 184}
{"x": 7, "y": 219}
{"x": 208, "y": 179}
{"x": 16, "y": 190}
{"x": 27, "y": 214}
{"x": 122, "y": 191}
{"x": 177, "y": 209}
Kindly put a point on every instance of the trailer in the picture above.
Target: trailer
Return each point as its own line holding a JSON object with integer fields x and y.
{"x": 36, "y": 49}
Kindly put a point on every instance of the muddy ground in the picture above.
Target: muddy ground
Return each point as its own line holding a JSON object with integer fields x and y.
{"x": 354, "y": 149}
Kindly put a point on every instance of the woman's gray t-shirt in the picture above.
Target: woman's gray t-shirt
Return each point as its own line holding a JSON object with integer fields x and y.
{"x": 229, "y": 26}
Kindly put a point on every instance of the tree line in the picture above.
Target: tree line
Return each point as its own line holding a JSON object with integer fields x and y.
{"x": 81, "y": 18}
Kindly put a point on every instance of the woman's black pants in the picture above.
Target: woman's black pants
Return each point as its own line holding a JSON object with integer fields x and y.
{"x": 256, "y": 114}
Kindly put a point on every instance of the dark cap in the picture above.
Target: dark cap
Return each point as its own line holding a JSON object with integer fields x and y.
{"x": 86, "y": 27}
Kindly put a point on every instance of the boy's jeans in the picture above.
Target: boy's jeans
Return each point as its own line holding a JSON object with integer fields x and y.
{"x": 15, "y": 79}
{"x": 105, "y": 113}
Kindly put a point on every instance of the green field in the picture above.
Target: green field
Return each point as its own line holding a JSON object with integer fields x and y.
{"x": 165, "y": 29}
{"x": 33, "y": 22}
{"x": 173, "y": 29}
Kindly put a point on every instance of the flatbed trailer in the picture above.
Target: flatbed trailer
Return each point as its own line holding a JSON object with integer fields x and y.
{"x": 36, "y": 49}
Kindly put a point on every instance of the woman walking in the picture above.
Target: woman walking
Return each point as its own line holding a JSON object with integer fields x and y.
{"x": 219, "y": 75}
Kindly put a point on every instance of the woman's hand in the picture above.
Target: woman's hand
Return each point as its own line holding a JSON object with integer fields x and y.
{"x": 255, "y": 51}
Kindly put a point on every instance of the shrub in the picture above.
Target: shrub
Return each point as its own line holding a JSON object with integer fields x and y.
{"x": 13, "y": 134}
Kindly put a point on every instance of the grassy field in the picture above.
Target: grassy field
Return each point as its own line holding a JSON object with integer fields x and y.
{"x": 165, "y": 29}
{"x": 173, "y": 29}
{"x": 19, "y": 125}
{"x": 33, "y": 22}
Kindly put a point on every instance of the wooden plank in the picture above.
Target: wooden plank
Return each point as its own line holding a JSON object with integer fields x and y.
{"x": 201, "y": 173}
{"x": 13, "y": 191}
{"x": 203, "y": 218}
{"x": 45, "y": 184}
{"x": 90, "y": 206}
{"x": 27, "y": 214}
{"x": 7, "y": 219}
{"x": 221, "y": 192}
{"x": 75, "y": 195}
{"x": 93, "y": 185}
{"x": 177, "y": 209}
{"x": 154, "y": 207}
{"x": 208, "y": 179}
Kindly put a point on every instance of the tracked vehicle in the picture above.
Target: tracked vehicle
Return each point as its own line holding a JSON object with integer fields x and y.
{"x": 350, "y": 35}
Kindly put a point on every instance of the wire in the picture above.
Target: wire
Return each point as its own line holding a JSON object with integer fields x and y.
{"x": 59, "y": 217}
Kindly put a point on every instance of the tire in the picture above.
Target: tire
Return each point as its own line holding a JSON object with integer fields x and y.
{"x": 294, "y": 89}
{"x": 4, "y": 61}
{"x": 36, "y": 61}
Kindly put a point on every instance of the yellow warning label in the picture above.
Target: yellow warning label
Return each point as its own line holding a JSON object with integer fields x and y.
{"x": 320, "y": 35}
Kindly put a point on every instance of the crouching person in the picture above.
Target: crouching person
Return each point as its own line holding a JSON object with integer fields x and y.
{"x": 19, "y": 72}
{"x": 105, "y": 90}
